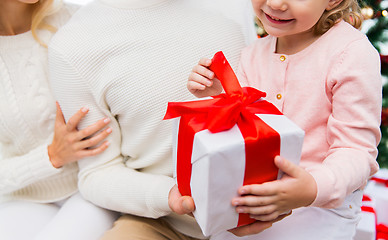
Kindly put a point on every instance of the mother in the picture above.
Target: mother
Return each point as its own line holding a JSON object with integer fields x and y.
{"x": 38, "y": 150}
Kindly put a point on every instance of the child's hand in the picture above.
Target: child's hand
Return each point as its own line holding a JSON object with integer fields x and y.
{"x": 201, "y": 82}
{"x": 267, "y": 201}
{"x": 180, "y": 204}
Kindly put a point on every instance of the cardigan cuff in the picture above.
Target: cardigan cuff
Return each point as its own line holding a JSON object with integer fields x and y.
{"x": 326, "y": 193}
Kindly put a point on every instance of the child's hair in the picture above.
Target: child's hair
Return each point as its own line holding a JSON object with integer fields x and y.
{"x": 347, "y": 10}
{"x": 43, "y": 9}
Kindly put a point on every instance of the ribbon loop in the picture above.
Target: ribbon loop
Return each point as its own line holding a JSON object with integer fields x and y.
{"x": 225, "y": 74}
{"x": 224, "y": 110}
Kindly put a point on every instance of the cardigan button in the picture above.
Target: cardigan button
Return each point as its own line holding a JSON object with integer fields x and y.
{"x": 282, "y": 58}
{"x": 279, "y": 96}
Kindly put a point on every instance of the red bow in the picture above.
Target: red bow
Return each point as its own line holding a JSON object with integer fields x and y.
{"x": 237, "y": 106}
{"x": 224, "y": 110}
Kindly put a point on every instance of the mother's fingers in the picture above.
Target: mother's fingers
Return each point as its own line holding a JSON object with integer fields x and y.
{"x": 92, "y": 129}
{"x": 59, "y": 119}
{"x": 74, "y": 120}
{"x": 95, "y": 151}
{"x": 96, "y": 139}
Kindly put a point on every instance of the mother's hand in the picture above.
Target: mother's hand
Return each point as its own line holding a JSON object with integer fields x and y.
{"x": 70, "y": 144}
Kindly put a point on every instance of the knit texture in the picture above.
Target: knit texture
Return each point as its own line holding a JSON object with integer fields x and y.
{"x": 127, "y": 64}
{"x": 27, "y": 115}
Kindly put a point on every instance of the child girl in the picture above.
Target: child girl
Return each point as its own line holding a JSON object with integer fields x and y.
{"x": 324, "y": 75}
{"x": 39, "y": 151}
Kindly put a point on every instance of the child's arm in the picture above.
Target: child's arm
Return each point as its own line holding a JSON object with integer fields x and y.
{"x": 201, "y": 82}
{"x": 267, "y": 201}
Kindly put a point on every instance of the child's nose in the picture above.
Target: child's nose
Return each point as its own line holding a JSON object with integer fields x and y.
{"x": 277, "y": 4}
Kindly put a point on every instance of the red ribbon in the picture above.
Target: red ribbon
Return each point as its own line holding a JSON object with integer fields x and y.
{"x": 382, "y": 232}
{"x": 222, "y": 112}
{"x": 369, "y": 209}
{"x": 366, "y": 198}
{"x": 380, "y": 180}
{"x": 381, "y": 229}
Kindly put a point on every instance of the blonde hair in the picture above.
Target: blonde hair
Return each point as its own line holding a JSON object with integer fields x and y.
{"x": 347, "y": 10}
{"x": 43, "y": 9}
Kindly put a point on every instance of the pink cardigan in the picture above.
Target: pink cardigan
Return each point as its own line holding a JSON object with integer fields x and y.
{"x": 332, "y": 90}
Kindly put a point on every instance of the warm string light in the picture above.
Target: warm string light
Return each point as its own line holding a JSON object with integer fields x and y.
{"x": 368, "y": 13}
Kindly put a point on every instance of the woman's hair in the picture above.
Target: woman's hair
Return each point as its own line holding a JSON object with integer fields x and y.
{"x": 347, "y": 10}
{"x": 43, "y": 9}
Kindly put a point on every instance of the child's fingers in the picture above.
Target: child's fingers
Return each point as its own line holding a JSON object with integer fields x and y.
{"x": 195, "y": 77}
{"x": 75, "y": 119}
{"x": 287, "y": 167}
{"x": 194, "y": 86}
{"x": 92, "y": 129}
{"x": 203, "y": 71}
{"x": 258, "y": 210}
{"x": 264, "y": 189}
{"x": 205, "y": 62}
{"x": 252, "y": 200}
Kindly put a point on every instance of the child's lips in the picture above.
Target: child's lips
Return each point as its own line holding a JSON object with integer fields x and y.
{"x": 277, "y": 20}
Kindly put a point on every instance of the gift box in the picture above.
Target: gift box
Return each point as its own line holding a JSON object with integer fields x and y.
{"x": 377, "y": 188}
{"x": 366, "y": 228}
{"x": 225, "y": 142}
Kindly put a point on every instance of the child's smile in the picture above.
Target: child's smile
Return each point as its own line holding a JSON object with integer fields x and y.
{"x": 276, "y": 20}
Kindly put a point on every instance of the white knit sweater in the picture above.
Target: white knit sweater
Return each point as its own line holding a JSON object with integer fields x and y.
{"x": 27, "y": 115}
{"x": 126, "y": 59}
